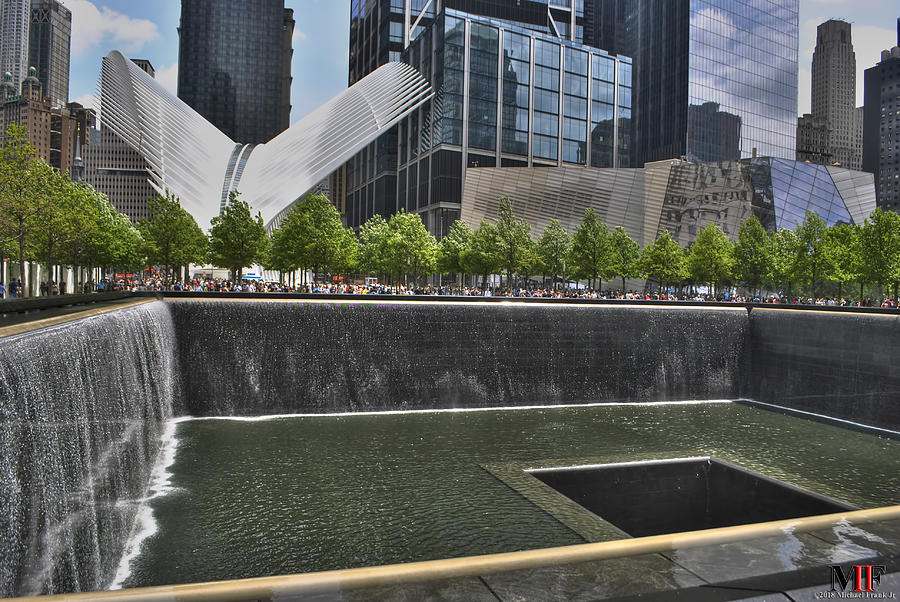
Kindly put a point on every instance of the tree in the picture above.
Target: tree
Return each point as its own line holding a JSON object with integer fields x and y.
{"x": 814, "y": 259}
{"x": 23, "y": 193}
{"x": 237, "y": 239}
{"x": 482, "y": 255}
{"x": 590, "y": 254}
{"x": 452, "y": 247}
{"x": 553, "y": 249}
{"x": 879, "y": 241}
{"x": 711, "y": 257}
{"x": 664, "y": 260}
{"x": 318, "y": 238}
{"x": 59, "y": 223}
{"x": 752, "y": 254}
{"x": 373, "y": 246}
{"x": 411, "y": 248}
{"x": 842, "y": 241}
{"x": 171, "y": 235}
{"x": 513, "y": 238}
{"x": 783, "y": 270}
{"x": 624, "y": 253}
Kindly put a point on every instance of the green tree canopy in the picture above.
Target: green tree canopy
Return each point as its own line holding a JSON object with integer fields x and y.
{"x": 452, "y": 247}
{"x": 513, "y": 238}
{"x": 879, "y": 242}
{"x": 482, "y": 255}
{"x": 373, "y": 246}
{"x": 783, "y": 268}
{"x": 842, "y": 241}
{"x": 23, "y": 193}
{"x": 815, "y": 261}
{"x": 590, "y": 253}
{"x": 752, "y": 254}
{"x": 711, "y": 257}
{"x": 317, "y": 239}
{"x": 553, "y": 248}
{"x": 624, "y": 254}
{"x": 171, "y": 235}
{"x": 237, "y": 239}
{"x": 664, "y": 260}
{"x": 411, "y": 248}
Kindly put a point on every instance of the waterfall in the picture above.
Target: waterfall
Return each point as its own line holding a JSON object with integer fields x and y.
{"x": 258, "y": 357}
{"x": 82, "y": 408}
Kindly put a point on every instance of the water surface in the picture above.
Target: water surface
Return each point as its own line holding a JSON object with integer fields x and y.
{"x": 310, "y": 493}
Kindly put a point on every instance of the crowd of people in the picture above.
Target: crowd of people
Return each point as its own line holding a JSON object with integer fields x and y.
{"x": 220, "y": 285}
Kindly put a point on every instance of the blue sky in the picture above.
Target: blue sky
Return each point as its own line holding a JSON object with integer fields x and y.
{"x": 148, "y": 30}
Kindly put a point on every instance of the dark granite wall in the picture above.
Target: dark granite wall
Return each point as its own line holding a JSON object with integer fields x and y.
{"x": 258, "y": 357}
{"x": 842, "y": 365}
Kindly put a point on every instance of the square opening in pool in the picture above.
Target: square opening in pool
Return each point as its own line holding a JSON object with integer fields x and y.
{"x": 683, "y": 494}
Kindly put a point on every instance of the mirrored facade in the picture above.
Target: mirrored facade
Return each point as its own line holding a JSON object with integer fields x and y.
{"x": 714, "y": 79}
{"x": 678, "y": 196}
{"x": 507, "y": 94}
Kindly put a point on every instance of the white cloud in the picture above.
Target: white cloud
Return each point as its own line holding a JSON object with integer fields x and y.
{"x": 92, "y": 26}
{"x": 299, "y": 35}
{"x": 168, "y": 77}
{"x": 88, "y": 100}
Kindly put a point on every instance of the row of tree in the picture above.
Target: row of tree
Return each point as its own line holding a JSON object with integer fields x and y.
{"x": 813, "y": 259}
{"x": 47, "y": 218}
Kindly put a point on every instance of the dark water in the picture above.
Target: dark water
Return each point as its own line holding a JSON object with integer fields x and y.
{"x": 301, "y": 494}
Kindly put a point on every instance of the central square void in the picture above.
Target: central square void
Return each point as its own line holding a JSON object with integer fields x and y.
{"x": 684, "y": 494}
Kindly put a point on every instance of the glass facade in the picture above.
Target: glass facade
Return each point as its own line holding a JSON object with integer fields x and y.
{"x": 778, "y": 191}
{"x": 678, "y": 196}
{"x": 234, "y": 65}
{"x": 714, "y": 79}
{"x": 48, "y": 48}
{"x": 506, "y": 94}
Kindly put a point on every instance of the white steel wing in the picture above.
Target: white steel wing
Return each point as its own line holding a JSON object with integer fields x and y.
{"x": 193, "y": 159}
{"x": 188, "y": 155}
{"x": 289, "y": 165}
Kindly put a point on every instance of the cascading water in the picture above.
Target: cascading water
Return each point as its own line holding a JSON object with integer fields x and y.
{"x": 256, "y": 357}
{"x": 82, "y": 408}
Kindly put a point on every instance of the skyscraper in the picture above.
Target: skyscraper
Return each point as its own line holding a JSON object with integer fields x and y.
{"x": 834, "y": 91}
{"x": 117, "y": 170}
{"x": 881, "y": 126}
{"x": 234, "y": 65}
{"x": 48, "y": 48}
{"x": 742, "y": 57}
{"x": 15, "y": 17}
{"x": 514, "y": 87}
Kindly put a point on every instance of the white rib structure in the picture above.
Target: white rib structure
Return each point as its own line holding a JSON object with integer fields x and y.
{"x": 193, "y": 159}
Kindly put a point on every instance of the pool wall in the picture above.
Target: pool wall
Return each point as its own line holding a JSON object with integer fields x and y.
{"x": 254, "y": 357}
{"x": 840, "y": 365}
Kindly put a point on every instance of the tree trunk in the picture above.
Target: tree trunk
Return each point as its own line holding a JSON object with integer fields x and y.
{"x": 23, "y": 279}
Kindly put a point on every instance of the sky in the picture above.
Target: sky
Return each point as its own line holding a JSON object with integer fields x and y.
{"x": 321, "y": 38}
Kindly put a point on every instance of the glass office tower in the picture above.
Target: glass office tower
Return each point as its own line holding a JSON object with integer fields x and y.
{"x": 234, "y": 65}
{"x": 513, "y": 93}
{"x": 714, "y": 79}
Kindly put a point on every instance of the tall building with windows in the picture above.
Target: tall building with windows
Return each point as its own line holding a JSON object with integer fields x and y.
{"x": 881, "y": 126}
{"x": 117, "y": 170}
{"x": 713, "y": 79}
{"x": 514, "y": 86}
{"x": 834, "y": 91}
{"x": 15, "y": 18}
{"x": 48, "y": 48}
{"x": 234, "y": 65}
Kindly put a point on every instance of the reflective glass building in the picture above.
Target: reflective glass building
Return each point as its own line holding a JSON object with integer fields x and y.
{"x": 513, "y": 88}
{"x": 234, "y": 65}
{"x": 713, "y": 79}
{"x": 678, "y": 196}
